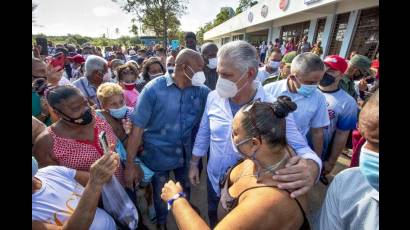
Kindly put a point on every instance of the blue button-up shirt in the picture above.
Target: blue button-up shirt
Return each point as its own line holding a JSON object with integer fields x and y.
{"x": 170, "y": 118}
{"x": 215, "y": 131}
{"x": 351, "y": 203}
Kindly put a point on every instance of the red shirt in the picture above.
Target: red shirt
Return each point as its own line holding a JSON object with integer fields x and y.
{"x": 79, "y": 154}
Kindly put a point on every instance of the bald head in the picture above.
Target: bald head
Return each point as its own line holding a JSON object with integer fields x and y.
{"x": 188, "y": 57}
{"x": 187, "y": 63}
{"x": 369, "y": 119}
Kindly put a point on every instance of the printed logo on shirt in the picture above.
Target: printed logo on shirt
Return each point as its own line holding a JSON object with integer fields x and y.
{"x": 332, "y": 114}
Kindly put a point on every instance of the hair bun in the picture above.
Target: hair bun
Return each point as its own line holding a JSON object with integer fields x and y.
{"x": 283, "y": 106}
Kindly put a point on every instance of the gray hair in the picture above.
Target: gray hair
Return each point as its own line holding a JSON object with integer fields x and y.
{"x": 306, "y": 63}
{"x": 94, "y": 63}
{"x": 242, "y": 54}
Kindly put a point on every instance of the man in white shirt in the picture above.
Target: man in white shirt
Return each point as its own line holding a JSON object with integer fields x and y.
{"x": 237, "y": 67}
{"x": 65, "y": 197}
{"x": 352, "y": 200}
{"x": 271, "y": 68}
{"x": 311, "y": 115}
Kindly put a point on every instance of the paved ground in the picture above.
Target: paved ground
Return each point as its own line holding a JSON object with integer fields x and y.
{"x": 315, "y": 196}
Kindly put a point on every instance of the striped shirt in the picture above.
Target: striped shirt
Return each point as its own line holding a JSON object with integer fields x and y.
{"x": 211, "y": 77}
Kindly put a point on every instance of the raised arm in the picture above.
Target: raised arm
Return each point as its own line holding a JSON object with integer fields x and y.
{"x": 100, "y": 173}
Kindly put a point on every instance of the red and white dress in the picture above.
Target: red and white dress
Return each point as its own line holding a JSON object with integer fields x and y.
{"x": 80, "y": 154}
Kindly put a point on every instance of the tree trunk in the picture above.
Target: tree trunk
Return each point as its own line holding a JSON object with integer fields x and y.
{"x": 164, "y": 18}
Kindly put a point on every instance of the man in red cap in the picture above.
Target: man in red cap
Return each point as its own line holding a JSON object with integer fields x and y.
{"x": 76, "y": 62}
{"x": 342, "y": 109}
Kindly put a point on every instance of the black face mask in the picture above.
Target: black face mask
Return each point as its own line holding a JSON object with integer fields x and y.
{"x": 85, "y": 119}
{"x": 370, "y": 80}
{"x": 327, "y": 80}
{"x": 358, "y": 76}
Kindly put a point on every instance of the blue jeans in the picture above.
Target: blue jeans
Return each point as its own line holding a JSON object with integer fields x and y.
{"x": 213, "y": 201}
{"x": 158, "y": 181}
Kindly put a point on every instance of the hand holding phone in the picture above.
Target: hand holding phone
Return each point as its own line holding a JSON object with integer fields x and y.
{"x": 57, "y": 61}
{"x": 102, "y": 137}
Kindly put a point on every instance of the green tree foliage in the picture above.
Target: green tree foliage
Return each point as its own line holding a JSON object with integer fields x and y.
{"x": 158, "y": 16}
{"x": 221, "y": 17}
{"x": 102, "y": 41}
{"x": 244, "y": 5}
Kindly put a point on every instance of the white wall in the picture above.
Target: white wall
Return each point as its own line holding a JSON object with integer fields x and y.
{"x": 296, "y": 12}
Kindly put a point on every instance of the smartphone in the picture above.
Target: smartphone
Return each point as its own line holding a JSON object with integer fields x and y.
{"x": 57, "y": 61}
{"x": 102, "y": 137}
{"x": 43, "y": 43}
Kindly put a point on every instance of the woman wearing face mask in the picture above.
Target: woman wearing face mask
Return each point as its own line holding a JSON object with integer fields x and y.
{"x": 127, "y": 76}
{"x": 249, "y": 195}
{"x": 72, "y": 141}
{"x": 114, "y": 110}
{"x": 151, "y": 69}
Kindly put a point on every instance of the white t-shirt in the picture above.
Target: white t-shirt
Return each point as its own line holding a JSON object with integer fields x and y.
{"x": 342, "y": 109}
{"x": 58, "y": 197}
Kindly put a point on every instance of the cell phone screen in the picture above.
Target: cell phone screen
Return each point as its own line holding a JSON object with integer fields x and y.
{"x": 102, "y": 137}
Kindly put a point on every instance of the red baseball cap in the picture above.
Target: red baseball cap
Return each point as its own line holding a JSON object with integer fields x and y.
{"x": 375, "y": 64}
{"x": 77, "y": 59}
{"x": 336, "y": 62}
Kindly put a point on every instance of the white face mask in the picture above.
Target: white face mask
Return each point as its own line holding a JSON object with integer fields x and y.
{"x": 228, "y": 89}
{"x": 212, "y": 63}
{"x": 198, "y": 79}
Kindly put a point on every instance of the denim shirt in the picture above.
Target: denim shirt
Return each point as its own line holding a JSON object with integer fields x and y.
{"x": 170, "y": 117}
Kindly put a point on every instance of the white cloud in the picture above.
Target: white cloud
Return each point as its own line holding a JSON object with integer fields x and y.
{"x": 102, "y": 11}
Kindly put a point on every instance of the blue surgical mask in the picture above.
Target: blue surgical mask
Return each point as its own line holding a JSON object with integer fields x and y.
{"x": 275, "y": 64}
{"x": 307, "y": 90}
{"x": 369, "y": 166}
{"x": 118, "y": 113}
{"x": 34, "y": 166}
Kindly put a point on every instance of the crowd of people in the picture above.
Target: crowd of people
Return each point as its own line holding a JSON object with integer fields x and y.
{"x": 269, "y": 123}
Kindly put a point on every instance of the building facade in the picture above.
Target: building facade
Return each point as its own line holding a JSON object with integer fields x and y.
{"x": 342, "y": 26}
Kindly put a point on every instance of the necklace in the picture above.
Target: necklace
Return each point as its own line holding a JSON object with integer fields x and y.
{"x": 272, "y": 168}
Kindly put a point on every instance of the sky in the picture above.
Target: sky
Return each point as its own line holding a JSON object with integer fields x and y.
{"x": 95, "y": 17}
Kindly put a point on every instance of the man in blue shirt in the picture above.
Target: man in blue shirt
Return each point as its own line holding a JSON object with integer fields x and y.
{"x": 166, "y": 118}
{"x": 342, "y": 109}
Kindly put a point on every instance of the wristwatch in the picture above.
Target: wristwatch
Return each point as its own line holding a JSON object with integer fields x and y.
{"x": 175, "y": 197}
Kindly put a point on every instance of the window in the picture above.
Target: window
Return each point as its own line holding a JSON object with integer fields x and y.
{"x": 338, "y": 33}
{"x": 366, "y": 38}
{"x": 320, "y": 28}
{"x": 237, "y": 37}
{"x": 296, "y": 31}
